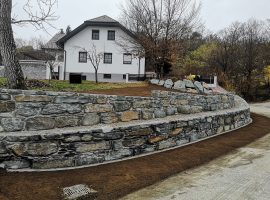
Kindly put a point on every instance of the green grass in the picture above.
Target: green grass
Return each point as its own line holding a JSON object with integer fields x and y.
{"x": 64, "y": 86}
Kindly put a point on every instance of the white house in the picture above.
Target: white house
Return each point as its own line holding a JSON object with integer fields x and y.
{"x": 107, "y": 36}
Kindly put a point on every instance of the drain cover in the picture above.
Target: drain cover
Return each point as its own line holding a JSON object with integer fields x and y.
{"x": 79, "y": 192}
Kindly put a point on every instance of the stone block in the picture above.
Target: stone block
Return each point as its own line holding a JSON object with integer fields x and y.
{"x": 115, "y": 155}
{"x": 28, "y": 109}
{"x": 98, "y": 108}
{"x": 147, "y": 114}
{"x": 67, "y": 121}
{"x": 88, "y": 159}
{"x": 87, "y": 138}
{"x": 74, "y": 99}
{"x": 179, "y": 102}
{"x": 184, "y": 109}
{"x": 7, "y": 106}
{"x": 176, "y": 132}
{"x": 53, "y": 163}
{"x": 3, "y": 149}
{"x": 129, "y": 116}
{"x": 171, "y": 111}
{"x": 33, "y": 98}
{"x": 157, "y": 139}
{"x": 142, "y": 104}
{"x": 199, "y": 86}
{"x": 108, "y": 136}
{"x": 5, "y": 97}
{"x": 168, "y": 84}
{"x": 189, "y": 84}
{"x": 40, "y": 123}
{"x": 140, "y": 132}
{"x": 133, "y": 142}
{"x": 161, "y": 82}
{"x": 196, "y": 109}
{"x": 34, "y": 149}
{"x": 90, "y": 119}
{"x": 102, "y": 100}
{"x": 180, "y": 85}
{"x": 74, "y": 138}
{"x": 166, "y": 144}
{"x": 16, "y": 164}
{"x": 154, "y": 81}
{"x": 98, "y": 146}
{"x": 52, "y": 109}
{"x": 12, "y": 124}
{"x": 160, "y": 114}
{"x": 109, "y": 118}
{"x": 120, "y": 106}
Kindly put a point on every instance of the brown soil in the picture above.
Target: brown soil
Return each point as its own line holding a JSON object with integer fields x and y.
{"x": 132, "y": 91}
{"x": 116, "y": 180}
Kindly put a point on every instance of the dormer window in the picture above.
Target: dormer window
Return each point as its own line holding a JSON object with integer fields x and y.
{"x": 95, "y": 34}
{"x": 111, "y": 35}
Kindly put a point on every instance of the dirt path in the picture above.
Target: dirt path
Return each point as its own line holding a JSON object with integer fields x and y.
{"x": 119, "y": 179}
{"x": 243, "y": 174}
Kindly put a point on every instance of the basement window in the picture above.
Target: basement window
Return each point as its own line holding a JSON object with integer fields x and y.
{"x": 107, "y": 76}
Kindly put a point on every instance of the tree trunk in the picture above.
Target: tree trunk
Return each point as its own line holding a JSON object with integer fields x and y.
{"x": 13, "y": 71}
{"x": 96, "y": 75}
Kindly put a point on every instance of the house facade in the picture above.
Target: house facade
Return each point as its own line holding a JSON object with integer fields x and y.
{"x": 104, "y": 37}
{"x": 58, "y": 53}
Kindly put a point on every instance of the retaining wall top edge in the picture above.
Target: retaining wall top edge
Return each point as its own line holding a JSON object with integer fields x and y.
{"x": 144, "y": 123}
{"x": 53, "y": 93}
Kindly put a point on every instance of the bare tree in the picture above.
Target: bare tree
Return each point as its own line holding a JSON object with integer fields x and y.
{"x": 94, "y": 57}
{"x": 40, "y": 18}
{"x": 35, "y": 42}
{"x": 160, "y": 25}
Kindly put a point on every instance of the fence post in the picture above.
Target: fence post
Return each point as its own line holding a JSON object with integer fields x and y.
{"x": 127, "y": 78}
{"x": 215, "y": 81}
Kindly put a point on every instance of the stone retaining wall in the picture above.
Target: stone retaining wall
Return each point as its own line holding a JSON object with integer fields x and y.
{"x": 80, "y": 146}
{"x": 32, "y": 110}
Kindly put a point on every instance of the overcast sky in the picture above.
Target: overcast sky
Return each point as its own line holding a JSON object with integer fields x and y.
{"x": 216, "y": 14}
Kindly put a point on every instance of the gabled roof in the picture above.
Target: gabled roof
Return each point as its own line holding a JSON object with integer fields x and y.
{"x": 103, "y": 18}
{"x": 52, "y": 42}
{"x": 102, "y": 21}
{"x": 34, "y": 55}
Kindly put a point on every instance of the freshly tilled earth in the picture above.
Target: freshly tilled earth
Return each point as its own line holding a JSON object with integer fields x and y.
{"x": 116, "y": 180}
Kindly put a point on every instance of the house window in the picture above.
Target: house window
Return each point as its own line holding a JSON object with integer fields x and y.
{"x": 124, "y": 76}
{"x": 127, "y": 58}
{"x": 111, "y": 35}
{"x": 108, "y": 58}
{"x": 107, "y": 76}
{"x": 83, "y": 57}
{"x": 95, "y": 34}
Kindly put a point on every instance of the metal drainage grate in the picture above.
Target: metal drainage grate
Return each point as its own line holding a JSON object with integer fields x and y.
{"x": 78, "y": 191}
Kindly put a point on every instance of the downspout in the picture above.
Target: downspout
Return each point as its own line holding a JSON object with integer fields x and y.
{"x": 65, "y": 64}
{"x": 139, "y": 71}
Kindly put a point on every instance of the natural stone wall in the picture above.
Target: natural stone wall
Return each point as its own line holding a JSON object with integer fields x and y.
{"x": 80, "y": 146}
{"x": 32, "y": 110}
